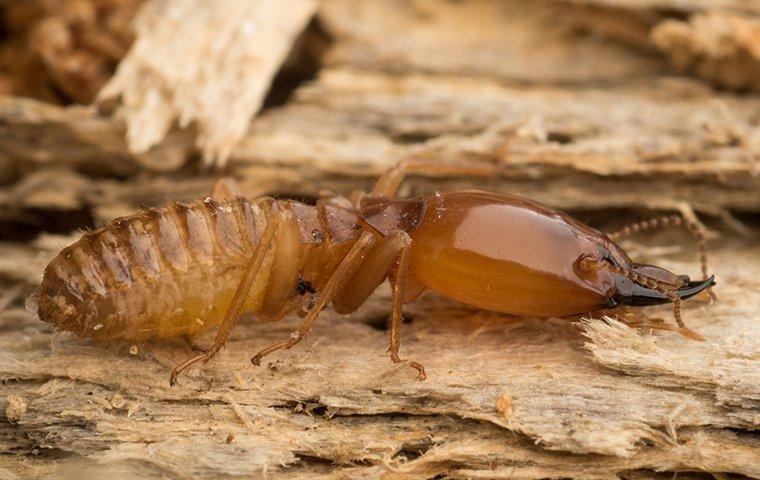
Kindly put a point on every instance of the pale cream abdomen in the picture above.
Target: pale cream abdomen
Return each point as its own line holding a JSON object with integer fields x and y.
{"x": 160, "y": 273}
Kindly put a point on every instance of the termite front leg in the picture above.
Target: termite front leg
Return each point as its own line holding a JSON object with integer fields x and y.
{"x": 398, "y": 282}
{"x": 389, "y": 183}
{"x": 346, "y": 268}
{"x": 236, "y": 305}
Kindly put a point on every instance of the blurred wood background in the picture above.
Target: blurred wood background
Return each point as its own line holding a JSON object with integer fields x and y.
{"x": 613, "y": 110}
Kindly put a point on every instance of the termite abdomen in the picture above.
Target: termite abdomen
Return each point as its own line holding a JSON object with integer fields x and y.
{"x": 159, "y": 273}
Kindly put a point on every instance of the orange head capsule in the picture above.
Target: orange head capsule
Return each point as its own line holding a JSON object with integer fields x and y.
{"x": 509, "y": 254}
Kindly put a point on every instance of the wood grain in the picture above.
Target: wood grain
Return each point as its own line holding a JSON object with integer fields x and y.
{"x": 580, "y": 110}
{"x": 504, "y": 396}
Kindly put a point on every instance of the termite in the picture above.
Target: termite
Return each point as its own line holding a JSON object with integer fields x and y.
{"x": 177, "y": 270}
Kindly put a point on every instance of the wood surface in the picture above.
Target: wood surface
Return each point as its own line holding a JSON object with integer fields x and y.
{"x": 579, "y": 105}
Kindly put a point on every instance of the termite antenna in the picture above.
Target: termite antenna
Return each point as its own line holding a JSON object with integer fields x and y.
{"x": 664, "y": 221}
{"x": 669, "y": 291}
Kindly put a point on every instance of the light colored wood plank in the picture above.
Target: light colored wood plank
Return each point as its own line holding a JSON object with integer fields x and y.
{"x": 504, "y": 396}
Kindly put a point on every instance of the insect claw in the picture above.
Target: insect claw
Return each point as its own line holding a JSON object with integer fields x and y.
{"x": 421, "y": 375}
{"x": 256, "y": 360}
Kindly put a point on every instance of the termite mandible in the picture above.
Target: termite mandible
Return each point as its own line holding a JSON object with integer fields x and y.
{"x": 174, "y": 271}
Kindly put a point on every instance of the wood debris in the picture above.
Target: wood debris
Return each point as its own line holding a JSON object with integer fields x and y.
{"x": 204, "y": 62}
{"x": 62, "y": 51}
{"x": 575, "y": 104}
{"x": 721, "y": 48}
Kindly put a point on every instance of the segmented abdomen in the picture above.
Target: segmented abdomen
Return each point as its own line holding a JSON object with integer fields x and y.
{"x": 159, "y": 273}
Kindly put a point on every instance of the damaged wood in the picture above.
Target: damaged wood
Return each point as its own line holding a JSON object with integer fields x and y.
{"x": 724, "y": 49}
{"x": 618, "y": 398}
{"x": 579, "y": 108}
{"x": 516, "y": 41}
{"x": 219, "y": 57}
{"x": 555, "y": 145}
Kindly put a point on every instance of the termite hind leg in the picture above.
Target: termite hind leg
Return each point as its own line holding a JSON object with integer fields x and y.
{"x": 238, "y": 299}
{"x": 389, "y": 183}
{"x": 345, "y": 269}
{"x": 398, "y": 282}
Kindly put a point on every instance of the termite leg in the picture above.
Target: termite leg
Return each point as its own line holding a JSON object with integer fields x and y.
{"x": 398, "y": 282}
{"x": 346, "y": 267}
{"x": 225, "y": 188}
{"x": 383, "y": 261}
{"x": 236, "y": 305}
{"x": 652, "y": 324}
{"x": 389, "y": 183}
{"x": 682, "y": 328}
{"x": 375, "y": 269}
{"x": 665, "y": 221}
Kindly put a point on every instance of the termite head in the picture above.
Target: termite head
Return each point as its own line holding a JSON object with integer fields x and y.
{"x": 640, "y": 284}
